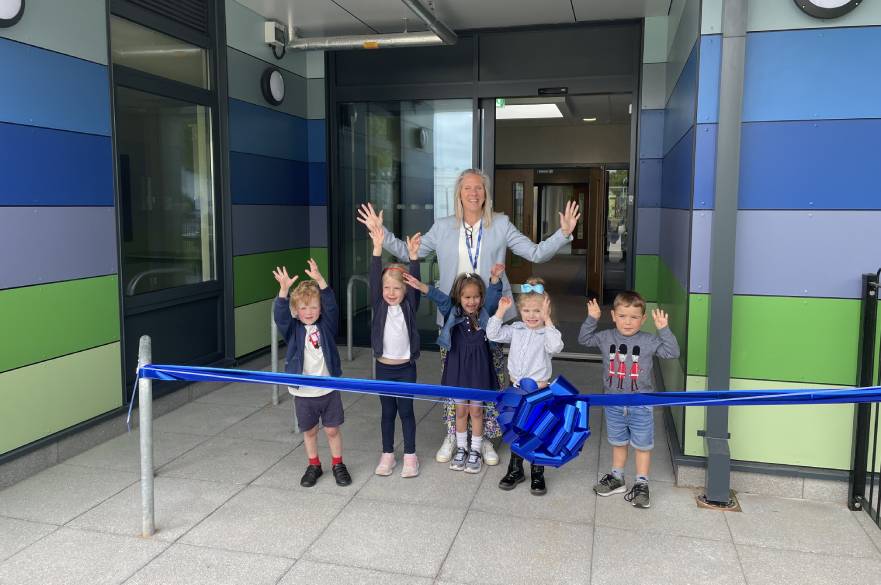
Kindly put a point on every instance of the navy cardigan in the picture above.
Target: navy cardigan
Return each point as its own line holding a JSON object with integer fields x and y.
{"x": 409, "y": 306}
{"x": 294, "y": 333}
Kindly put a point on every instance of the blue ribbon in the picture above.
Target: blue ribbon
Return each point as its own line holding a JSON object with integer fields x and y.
{"x": 546, "y": 426}
{"x": 529, "y": 288}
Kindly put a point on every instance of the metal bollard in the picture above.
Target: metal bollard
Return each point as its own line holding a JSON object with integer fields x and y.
{"x": 273, "y": 344}
{"x": 145, "y": 407}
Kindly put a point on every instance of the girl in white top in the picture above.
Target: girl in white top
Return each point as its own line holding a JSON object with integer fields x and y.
{"x": 533, "y": 339}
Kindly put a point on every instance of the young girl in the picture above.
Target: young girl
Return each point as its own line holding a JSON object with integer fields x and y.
{"x": 469, "y": 361}
{"x": 533, "y": 339}
{"x": 395, "y": 341}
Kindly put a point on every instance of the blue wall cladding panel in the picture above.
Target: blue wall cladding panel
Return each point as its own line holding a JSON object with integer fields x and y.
{"x": 680, "y": 111}
{"x": 651, "y": 133}
{"x": 677, "y": 174}
{"x": 318, "y": 183}
{"x": 831, "y": 164}
{"x": 705, "y": 166}
{"x": 674, "y": 242}
{"x": 43, "y": 88}
{"x": 41, "y": 166}
{"x": 708, "y": 79}
{"x": 317, "y": 138}
{"x": 263, "y": 180}
{"x": 649, "y": 194}
{"x": 258, "y": 130}
{"x": 812, "y": 74}
{"x": 267, "y": 228}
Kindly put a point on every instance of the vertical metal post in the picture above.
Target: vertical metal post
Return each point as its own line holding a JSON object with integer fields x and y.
{"x": 722, "y": 246}
{"x": 865, "y": 377}
{"x": 350, "y": 309}
{"x": 273, "y": 344}
{"x": 145, "y": 409}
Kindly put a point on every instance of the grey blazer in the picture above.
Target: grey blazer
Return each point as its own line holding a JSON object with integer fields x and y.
{"x": 443, "y": 238}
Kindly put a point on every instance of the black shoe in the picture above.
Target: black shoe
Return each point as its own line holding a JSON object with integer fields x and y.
{"x": 341, "y": 474}
{"x": 514, "y": 475}
{"x": 537, "y": 475}
{"x": 313, "y": 472}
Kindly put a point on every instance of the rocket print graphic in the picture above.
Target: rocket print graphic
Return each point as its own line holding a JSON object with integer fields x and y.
{"x": 613, "y": 355}
{"x": 622, "y": 367}
{"x": 634, "y": 369}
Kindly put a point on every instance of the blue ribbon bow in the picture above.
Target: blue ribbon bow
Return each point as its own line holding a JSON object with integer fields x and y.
{"x": 536, "y": 288}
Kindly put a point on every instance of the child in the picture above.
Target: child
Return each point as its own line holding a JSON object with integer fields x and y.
{"x": 395, "y": 341}
{"x": 469, "y": 358}
{"x": 312, "y": 351}
{"x": 628, "y": 425}
{"x": 533, "y": 339}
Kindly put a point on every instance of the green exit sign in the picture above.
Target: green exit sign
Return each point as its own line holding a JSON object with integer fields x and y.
{"x": 500, "y": 102}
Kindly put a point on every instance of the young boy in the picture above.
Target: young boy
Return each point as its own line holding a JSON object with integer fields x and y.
{"x": 629, "y": 366}
{"x": 309, "y": 327}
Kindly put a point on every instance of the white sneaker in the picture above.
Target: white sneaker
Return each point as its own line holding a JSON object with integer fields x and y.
{"x": 490, "y": 457}
{"x": 445, "y": 453}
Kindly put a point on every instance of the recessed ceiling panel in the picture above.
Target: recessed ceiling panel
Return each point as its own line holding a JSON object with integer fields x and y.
{"x": 385, "y": 16}
{"x": 468, "y": 14}
{"x": 588, "y": 10}
{"x": 311, "y": 18}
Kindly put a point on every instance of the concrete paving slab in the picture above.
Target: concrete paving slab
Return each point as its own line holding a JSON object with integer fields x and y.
{"x": 61, "y": 493}
{"x": 239, "y": 394}
{"x": 272, "y": 423}
{"x": 18, "y": 534}
{"x": 504, "y": 550}
{"x": 267, "y": 521}
{"x": 396, "y": 537}
{"x": 190, "y": 565}
{"x": 674, "y": 512}
{"x": 766, "y": 566}
{"x": 73, "y": 557}
{"x": 198, "y": 418}
{"x": 662, "y": 465}
{"x": 361, "y": 433}
{"x": 179, "y": 504}
{"x": 868, "y": 524}
{"x": 799, "y": 525}
{"x": 226, "y": 460}
{"x": 311, "y": 573}
{"x": 124, "y": 452}
{"x": 286, "y": 473}
{"x": 641, "y": 558}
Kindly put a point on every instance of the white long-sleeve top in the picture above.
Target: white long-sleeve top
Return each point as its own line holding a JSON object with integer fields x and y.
{"x": 531, "y": 349}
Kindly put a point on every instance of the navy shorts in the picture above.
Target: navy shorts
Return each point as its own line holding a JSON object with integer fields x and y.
{"x": 631, "y": 425}
{"x": 327, "y": 408}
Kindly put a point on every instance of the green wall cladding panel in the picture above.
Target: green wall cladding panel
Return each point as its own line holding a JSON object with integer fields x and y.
{"x": 673, "y": 299}
{"x": 810, "y": 436}
{"x": 698, "y": 320}
{"x": 39, "y": 400}
{"x": 252, "y": 327}
{"x": 252, "y": 274}
{"x": 46, "y": 321}
{"x": 795, "y": 339}
{"x": 647, "y": 276}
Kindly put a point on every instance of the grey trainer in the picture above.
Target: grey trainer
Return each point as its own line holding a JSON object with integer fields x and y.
{"x": 609, "y": 485}
{"x": 639, "y": 495}
{"x": 458, "y": 461}
{"x": 474, "y": 463}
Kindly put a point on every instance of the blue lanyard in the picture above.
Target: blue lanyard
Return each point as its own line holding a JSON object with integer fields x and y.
{"x": 468, "y": 239}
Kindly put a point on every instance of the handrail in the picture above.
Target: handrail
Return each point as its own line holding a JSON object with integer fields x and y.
{"x": 350, "y": 309}
{"x": 273, "y": 344}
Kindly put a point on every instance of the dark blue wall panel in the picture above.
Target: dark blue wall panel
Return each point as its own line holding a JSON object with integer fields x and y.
{"x": 259, "y": 130}
{"x": 708, "y": 79}
{"x": 263, "y": 180}
{"x": 649, "y": 183}
{"x": 831, "y": 164}
{"x": 705, "y": 166}
{"x": 267, "y": 228}
{"x": 41, "y": 166}
{"x": 812, "y": 74}
{"x": 677, "y": 174}
{"x": 318, "y": 183}
{"x": 680, "y": 111}
{"x": 317, "y": 132}
{"x": 651, "y": 133}
{"x": 43, "y": 88}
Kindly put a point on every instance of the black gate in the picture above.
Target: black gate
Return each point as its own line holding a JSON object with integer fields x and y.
{"x": 865, "y": 480}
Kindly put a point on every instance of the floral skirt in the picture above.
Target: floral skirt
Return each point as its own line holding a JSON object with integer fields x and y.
{"x": 491, "y": 427}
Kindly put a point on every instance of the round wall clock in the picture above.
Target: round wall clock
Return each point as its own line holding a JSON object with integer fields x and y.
{"x": 827, "y": 8}
{"x": 272, "y": 86}
{"x": 10, "y": 12}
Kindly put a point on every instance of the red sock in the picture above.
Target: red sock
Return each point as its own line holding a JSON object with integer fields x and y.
{"x": 337, "y": 460}
{"x": 315, "y": 461}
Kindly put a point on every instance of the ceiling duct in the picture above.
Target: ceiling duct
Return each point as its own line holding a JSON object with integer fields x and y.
{"x": 440, "y": 35}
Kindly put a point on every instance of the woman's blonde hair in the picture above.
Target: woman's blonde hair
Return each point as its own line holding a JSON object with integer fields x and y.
{"x": 487, "y": 189}
{"x": 540, "y": 297}
{"x": 305, "y": 291}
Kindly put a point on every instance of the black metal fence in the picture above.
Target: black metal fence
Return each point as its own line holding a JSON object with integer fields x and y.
{"x": 865, "y": 479}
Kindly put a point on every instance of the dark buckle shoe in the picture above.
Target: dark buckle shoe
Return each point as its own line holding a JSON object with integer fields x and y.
{"x": 514, "y": 476}
{"x": 537, "y": 484}
{"x": 313, "y": 472}
{"x": 341, "y": 474}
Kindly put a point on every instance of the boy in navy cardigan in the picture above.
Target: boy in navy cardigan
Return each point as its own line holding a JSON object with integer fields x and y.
{"x": 309, "y": 326}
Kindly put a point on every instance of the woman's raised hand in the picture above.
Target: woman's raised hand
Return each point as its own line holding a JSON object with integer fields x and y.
{"x": 569, "y": 218}
{"x": 368, "y": 216}
{"x": 413, "y": 243}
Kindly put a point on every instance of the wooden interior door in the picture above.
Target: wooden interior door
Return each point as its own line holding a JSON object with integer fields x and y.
{"x": 595, "y": 233}
{"x": 514, "y": 196}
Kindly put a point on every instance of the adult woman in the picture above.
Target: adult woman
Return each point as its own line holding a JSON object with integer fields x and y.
{"x": 473, "y": 240}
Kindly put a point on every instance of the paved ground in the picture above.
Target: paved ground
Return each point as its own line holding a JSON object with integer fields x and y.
{"x": 229, "y": 510}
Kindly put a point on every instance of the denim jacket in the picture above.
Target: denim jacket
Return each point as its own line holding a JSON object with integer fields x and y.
{"x": 451, "y": 314}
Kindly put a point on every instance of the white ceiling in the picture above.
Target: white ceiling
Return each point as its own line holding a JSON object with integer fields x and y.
{"x": 606, "y": 108}
{"x": 313, "y": 18}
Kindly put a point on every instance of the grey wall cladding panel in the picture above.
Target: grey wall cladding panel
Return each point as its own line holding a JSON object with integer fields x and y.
{"x": 267, "y": 228}
{"x": 51, "y": 244}
{"x": 315, "y": 98}
{"x": 244, "y": 31}
{"x": 675, "y": 243}
{"x": 75, "y": 28}
{"x": 244, "y": 83}
{"x": 318, "y": 226}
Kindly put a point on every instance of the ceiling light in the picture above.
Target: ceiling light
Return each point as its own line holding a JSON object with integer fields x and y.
{"x": 589, "y": 119}
{"x": 523, "y": 111}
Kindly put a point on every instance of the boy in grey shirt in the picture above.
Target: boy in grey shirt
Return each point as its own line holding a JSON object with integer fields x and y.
{"x": 627, "y": 358}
